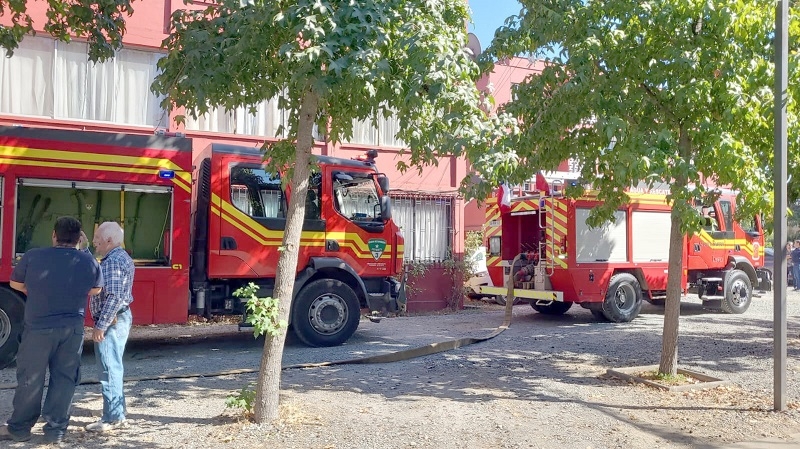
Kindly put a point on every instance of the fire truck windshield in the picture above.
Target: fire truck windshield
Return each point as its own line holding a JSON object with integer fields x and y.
{"x": 356, "y": 196}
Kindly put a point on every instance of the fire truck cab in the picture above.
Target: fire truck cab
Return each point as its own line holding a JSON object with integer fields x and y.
{"x": 350, "y": 249}
{"x": 610, "y": 270}
{"x": 198, "y": 229}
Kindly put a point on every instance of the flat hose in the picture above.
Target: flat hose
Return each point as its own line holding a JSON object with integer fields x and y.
{"x": 406, "y": 354}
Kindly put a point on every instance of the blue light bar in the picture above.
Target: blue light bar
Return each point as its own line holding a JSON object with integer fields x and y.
{"x": 166, "y": 174}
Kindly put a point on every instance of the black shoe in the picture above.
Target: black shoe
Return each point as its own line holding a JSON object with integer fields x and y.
{"x": 6, "y": 435}
{"x": 53, "y": 438}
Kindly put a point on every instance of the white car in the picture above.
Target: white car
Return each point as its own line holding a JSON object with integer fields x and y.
{"x": 481, "y": 276}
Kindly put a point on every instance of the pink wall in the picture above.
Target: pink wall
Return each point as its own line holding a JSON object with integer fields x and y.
{"x": 504, "y": 75}
{"x": 474, "y": 216}
{"x": 148, "y": 26}
{"x": 507, "y": 73}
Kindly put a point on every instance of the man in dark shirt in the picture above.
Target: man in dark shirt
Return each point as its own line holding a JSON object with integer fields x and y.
{"x": 57, "y": 282}
{"x": 796, "y": 264}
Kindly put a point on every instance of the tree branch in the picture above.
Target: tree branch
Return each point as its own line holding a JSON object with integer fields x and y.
{"x": 658, "y": 103}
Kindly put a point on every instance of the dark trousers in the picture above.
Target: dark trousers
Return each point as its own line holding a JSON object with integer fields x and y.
{"x": 59, "y": 350}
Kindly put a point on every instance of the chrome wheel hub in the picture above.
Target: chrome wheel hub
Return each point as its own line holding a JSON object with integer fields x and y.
{"x": 327, "y": 314}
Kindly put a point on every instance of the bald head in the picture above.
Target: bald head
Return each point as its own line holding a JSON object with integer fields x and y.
{"x": 108, "y": 236}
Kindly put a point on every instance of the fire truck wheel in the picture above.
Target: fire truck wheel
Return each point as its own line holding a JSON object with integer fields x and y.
{"x": 501, "y": 299}
{"x": 599, "y": 315}
{"x": 325, "y": 313}
{"x": 738, "y": 292}
{"x": 11, "y": 309}
{"x": 554, "y": 308}
{"x": 624, "y": 298}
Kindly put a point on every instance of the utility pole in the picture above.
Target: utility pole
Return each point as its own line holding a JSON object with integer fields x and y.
{"x": 779, "y": 244}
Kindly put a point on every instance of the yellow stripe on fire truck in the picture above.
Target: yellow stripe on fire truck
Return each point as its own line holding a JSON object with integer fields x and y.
{"x": 556, "y": 231}
{"x": 729, "y": 244}
{"x": 544, "y": 295}
{"x": 264, "y": 236}
{"x": 93, "y": 161}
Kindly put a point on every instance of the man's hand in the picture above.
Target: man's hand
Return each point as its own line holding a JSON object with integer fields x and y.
{"x": 98, "y": 335}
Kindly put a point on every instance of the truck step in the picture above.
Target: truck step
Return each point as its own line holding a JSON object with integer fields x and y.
{"x": 710, "y": 280}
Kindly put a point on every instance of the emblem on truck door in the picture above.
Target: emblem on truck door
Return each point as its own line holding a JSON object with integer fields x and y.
{"x": 376, "y": 247}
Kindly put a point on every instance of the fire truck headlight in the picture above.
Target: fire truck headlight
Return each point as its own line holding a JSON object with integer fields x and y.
{"x": 562, "y": 256}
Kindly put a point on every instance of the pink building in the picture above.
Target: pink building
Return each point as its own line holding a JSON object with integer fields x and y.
{"x": 52, "y": 84}
{"x": 500, "y": 83}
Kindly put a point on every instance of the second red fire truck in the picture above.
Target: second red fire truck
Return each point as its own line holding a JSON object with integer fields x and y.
{"x": 610, "y": 270}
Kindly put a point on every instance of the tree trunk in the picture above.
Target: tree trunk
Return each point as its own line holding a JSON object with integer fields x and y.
{"x": 269, "y": 377}
{"x": 672, "y": 308}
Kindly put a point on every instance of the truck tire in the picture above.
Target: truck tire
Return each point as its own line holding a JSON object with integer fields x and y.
{"x": 501, "y": 299}
{"x": 554, "y": 308}
{"x": 623, "y": 300}
{"x": 738, "y": 292}
{"x": 11, "y": 313}
{"x": 325, "y": 313}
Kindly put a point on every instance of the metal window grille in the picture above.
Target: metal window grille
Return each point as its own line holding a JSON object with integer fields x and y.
{"x": 427, "y": 224}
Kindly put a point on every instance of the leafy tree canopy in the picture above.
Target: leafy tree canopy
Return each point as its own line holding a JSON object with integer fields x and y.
{"x": 654, "y": 91}
{"x": 362, "y": 59}
{"x": 100, "y": 22}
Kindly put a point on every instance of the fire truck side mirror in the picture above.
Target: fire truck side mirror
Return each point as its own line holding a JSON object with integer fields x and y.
{"x": 383, "y": 182}
{"x": 386, "y": 208}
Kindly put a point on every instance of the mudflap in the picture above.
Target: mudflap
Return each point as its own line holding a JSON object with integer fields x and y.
{"x": 402, "y": 299}
{"x": 391, "y": 298}
{"x": 764, "y": 280}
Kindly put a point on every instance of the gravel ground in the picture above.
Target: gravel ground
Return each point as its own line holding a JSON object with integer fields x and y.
{"x": 540, "y": 384}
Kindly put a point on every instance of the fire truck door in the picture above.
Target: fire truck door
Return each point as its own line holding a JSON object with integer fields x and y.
{"x": 258, "y": 194}
{"x": 707, "y": 247}
{"x": 356, "y": 229}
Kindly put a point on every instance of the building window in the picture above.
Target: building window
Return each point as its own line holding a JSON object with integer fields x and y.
{"x": 264, "y": 119}
{"x": 427, "y": 224}
{"x": 56, "y": 79}
{"x": 377, "y": 133}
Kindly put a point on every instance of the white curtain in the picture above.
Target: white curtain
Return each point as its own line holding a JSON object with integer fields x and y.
{"x": 55, "y": 79}
{"x": 431, "y": 229}
{"x": 85, "y": 90}
{"x": 271, "y": 199}
{"x": 133, "y": 101}
{"x": 364, "y": 133}
{"x": 215, "y": 120}
{"x": 403, "y": 215}
{"x": 26, "y": 86}
{"x": 264, "y": 122}
{"x": 426, "y": 226}
{"x": 388, "y": 128}
{"x": 382, "y": 132}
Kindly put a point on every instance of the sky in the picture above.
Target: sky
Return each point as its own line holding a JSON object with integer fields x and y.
{"x": 488, "y": 15}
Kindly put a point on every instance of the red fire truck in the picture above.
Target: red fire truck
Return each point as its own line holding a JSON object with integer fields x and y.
{"x": 198, "y": 230}
{"x": 611, "y": 269}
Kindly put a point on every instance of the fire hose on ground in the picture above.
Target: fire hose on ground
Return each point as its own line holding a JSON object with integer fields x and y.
{"x": 397, "y": 356}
